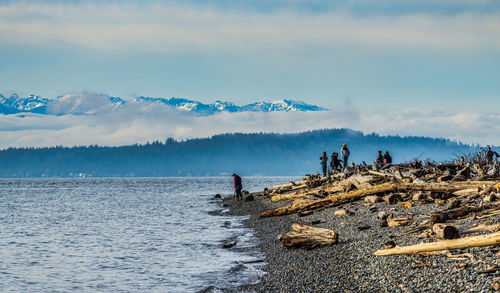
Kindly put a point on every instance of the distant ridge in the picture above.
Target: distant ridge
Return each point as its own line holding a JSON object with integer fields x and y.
{"x": 91, "y": 104}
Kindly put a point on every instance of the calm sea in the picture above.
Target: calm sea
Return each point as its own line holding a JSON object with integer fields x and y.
{"x": 123, "y": 235}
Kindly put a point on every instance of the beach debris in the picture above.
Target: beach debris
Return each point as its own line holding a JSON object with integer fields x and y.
{"x": 396, "y": 222}
{"x": 308, "y": 237}
{"x": 473, "y": 241}
{"x": 484, "y": 228}
{"x": 445, "y": 231}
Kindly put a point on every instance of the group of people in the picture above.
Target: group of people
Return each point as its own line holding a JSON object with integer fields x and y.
{"x": 335, "y": 162}
{"x": 382, "y": 162}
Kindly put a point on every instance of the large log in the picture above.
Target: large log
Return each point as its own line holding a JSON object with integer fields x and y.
{"x": 300, "y": 194}
{"x": 474, "y": 241}
{"x": 329, "y": 201}
{"x": 308, "y": 237}
{"x": 291, "y": 184}
{"x": 440, "y": 217}
{"x": 336, "y": 199}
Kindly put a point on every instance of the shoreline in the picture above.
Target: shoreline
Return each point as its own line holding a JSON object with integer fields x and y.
{"x": 349, "y": 265}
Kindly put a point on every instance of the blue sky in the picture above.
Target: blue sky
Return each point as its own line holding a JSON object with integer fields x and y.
{"x": 373, "y": 53}
{"x": 417, "y": 56}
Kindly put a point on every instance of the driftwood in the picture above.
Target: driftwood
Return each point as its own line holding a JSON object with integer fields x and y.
{"x": 474, "y": 241}
{"x": 329, "y": 201}
{"x": 445, "y": 231}
{"x": 396, "y": 222}
{"x": 484, "y": 228}
{"x": 336, "y": 199}
{"x": 300, "y": 194}
{"x": 443, "y": 216}
{"x": 308, "y": 237}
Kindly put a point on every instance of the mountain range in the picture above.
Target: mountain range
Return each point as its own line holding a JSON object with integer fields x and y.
{"x": 91, "y": 104}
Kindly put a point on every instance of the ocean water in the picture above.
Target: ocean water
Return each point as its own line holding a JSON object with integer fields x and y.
{"x": 124, "y": 235}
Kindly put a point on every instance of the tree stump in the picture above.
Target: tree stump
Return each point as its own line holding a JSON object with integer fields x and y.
{"x": 446, "y": 231}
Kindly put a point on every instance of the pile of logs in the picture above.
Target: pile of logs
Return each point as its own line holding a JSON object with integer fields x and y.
{"x": 465, "y": 189}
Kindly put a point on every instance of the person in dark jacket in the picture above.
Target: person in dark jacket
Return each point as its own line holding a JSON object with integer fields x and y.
{"x": 380, "y": 161}
{"x": 237, "y": 186}
{"x": 335, "y": 162}
{"x": 387, "y": 158}
{"x": 324, "y": 160}
{"x": 344, "y": 151}
{"x": 489, "y": 155}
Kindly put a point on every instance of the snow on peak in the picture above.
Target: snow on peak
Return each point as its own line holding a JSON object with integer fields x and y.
{"x": 89, "y": 104}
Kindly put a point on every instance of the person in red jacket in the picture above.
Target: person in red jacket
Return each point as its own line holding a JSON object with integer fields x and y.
{"x": 237, "y": 186}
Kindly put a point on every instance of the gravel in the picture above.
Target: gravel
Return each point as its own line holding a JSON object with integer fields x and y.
{"x": 350, "y": 266}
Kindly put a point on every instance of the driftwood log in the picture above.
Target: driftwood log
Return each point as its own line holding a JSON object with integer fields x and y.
{"x": 329, "y": 201}
{"x": 474, "y": 241}
{"x": 308, "y": 237}
{"x": 484, "y": 228}
{"x": 336, "y": 199}
{"x": 445, "y": 231}
{"x": 443, "y": 216}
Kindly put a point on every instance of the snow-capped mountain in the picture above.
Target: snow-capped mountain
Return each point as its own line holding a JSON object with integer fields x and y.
{"x": 90, "y": 104}
{"x": 15, "y": 104}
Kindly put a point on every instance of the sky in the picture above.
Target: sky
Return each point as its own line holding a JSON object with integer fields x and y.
{"x": 434, "y": 59}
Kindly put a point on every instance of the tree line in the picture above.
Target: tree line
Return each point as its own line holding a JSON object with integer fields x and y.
{"x": 264, "y": 154}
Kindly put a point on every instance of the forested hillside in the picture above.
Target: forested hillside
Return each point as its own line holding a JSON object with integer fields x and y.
{"x": 246, "y": 154}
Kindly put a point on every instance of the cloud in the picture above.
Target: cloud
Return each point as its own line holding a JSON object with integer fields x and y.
{"x": 123, "y": 127}
{"x": 173, "y": 28}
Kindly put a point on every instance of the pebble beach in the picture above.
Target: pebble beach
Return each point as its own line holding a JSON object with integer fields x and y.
{"x": 349, "y": 265}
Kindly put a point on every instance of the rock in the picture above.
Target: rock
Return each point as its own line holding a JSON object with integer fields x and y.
{"x": 315, "y": 222}
{"x": 372, "y": 199}
{"x": 382, "y": 215}
{"x": 340, "y": 212}
{"x": 305, "y": 213}
{"x": 229, "y": 244}
{"x": 217, "y": 196}
{"x": 225, "y": 205}
{"x": 389, "y": 244}
{"x": 244, "y": 192}
{"x": 361, "y": 228}
{"x": 249, "y": 198}
{"x": 462, "y": 265}
{"x": 393, "y": 198}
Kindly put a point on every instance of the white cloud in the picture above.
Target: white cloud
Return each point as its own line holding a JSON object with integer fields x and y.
{"x": 126, "y": 128}
{"x": 156, "y": 27}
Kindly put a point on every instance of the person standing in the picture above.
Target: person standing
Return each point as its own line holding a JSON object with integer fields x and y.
{"x": 237, "y": 186}
{"x": 324, "y": 160}
{"x": 335, "y": 162}
{"x": 489, "y": 155}
{"x": 344, "y": 151}
{"x": 380, "y": 161}
{"x": 387, "y": 158}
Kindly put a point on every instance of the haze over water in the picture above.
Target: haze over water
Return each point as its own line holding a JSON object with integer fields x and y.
{"x": 123, "y": 234}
